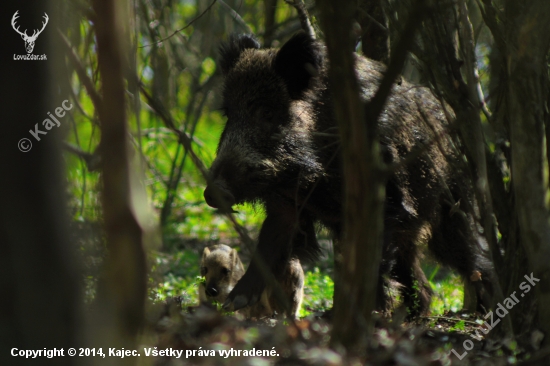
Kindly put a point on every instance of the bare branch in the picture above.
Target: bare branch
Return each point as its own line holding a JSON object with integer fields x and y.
{"x": 399, "y": 55}
{"x": 468, "y": 36}
{"x": 92, "y": 161}
{"x": 372, "y": 19}
{"x": 236, "y": 17}
{"x": 181, "y": 29}
{"x": 81, "y": 72}
{"x": 169, "y": 122}
{"x": 303, "y": 16}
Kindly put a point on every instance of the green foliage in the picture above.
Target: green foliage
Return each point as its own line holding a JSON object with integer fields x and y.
{"x": 318, "y": 292}
{"x": 416, "y": 298}
{"x": 448, "y": 295}
{"x": 200, "y": 222}
{"x": 173, "y": 286}
{"x": 459, "y": 326}
{"x": 176, "y": 274}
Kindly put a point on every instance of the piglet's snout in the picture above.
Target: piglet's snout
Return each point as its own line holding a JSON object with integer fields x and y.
{"x": 211, "y": 291}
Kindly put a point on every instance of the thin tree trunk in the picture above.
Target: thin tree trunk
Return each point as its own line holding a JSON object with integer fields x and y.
{"x": 270, "y": 7}
{"x": 122, "y": 289}
{"x": 356, "y": 281}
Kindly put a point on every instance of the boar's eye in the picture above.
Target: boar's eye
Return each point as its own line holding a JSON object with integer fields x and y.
{"x": 225, "y": 271}
{"x": 204, "y": 271}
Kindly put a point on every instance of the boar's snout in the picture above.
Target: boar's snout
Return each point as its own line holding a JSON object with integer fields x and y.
{"x": 211, "y": 291}
{"x": 218, "y": 196}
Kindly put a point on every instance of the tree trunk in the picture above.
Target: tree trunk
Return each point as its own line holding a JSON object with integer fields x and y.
{"x": 356, "y": 281}
{"x": 527, "y": 72}
{"x": 39, "y": 277}
{"x": 122, "y": 289}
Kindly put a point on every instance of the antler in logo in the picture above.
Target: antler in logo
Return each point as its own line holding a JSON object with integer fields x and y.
{"x": 29, "y": 40}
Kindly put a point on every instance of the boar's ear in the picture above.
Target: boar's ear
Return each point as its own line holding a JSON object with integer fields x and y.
{"x": 234, "y": 259}
{"x": 205, "y": 253}
{"x": 231, "y": 50}
{"x": 236, "y": 263}
{"x": 297, "y": 62}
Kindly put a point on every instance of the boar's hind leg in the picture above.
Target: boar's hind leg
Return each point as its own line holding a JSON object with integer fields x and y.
{"x": 456, "y": 243}
{"x": 415, "y": 288}
{"x": 280, "y": 237}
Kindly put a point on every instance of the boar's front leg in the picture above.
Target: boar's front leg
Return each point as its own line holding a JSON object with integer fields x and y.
{"x": 282, "y": 236}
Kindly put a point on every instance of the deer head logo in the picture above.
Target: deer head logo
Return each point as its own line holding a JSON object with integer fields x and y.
{"x": 29, "y": 40}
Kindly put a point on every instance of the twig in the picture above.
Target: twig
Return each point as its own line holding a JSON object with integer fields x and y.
{"x": 174, "y": 181}
{"x": 303, "y": 16}
{"x": 82, "y": 164}
{"x": 376, "y": 22}
{"x": 236, "y": 17}
{"x": 451, "y": 320}
{"x": 181, "y": 29}
{"x": 399, "y": 55}
{"x": 78, "y": 105}
{"x": 169, "y": 122}
{"x": 92, "y": 160}
{"x": 185, "y": 140}
{"x": 81, "y": 72}
{"x": 468, "y": 49}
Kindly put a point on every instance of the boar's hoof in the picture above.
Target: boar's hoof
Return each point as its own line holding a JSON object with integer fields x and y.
{"x": 240, "y": 302}
{"x": 228, "y": 305}
{"x": 245, "y": 293}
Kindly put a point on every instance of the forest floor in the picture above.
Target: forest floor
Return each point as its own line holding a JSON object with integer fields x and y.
{"x": 205, "y": 336}
{"x": 208, "y": 337}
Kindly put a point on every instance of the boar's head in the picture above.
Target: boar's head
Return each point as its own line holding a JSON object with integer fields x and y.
{"x": 266, "y": 144}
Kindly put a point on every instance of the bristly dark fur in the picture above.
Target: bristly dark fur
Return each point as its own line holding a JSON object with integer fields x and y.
{"x": 232, "y": 49}
{"x": 280, "y": 146}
